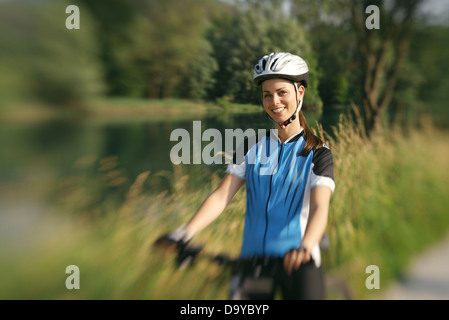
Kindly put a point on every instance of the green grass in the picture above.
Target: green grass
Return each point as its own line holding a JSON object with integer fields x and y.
{"x": 389, "y": 204}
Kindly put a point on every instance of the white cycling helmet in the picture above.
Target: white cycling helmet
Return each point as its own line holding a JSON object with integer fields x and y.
{"x": 281, "y": 65}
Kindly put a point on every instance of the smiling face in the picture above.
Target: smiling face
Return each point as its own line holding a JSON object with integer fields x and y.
{"x": 280, "y": 99}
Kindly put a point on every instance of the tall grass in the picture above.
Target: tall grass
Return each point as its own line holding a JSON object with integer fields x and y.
{"x": 391, "y": 199}
{"x": 390, "y": 202}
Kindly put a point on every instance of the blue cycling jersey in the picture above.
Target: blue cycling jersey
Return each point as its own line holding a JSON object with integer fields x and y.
{"x": 278, "y": 184}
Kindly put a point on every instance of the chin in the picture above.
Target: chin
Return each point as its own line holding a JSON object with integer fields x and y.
{"x": 279, "y": 119}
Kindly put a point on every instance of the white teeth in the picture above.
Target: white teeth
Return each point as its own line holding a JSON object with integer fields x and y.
{"x": 277, "y": 110}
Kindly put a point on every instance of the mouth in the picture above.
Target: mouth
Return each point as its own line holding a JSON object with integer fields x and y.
{"x": 278, "y": 110}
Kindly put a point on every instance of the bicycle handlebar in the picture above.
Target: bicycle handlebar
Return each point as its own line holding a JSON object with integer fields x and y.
{"x": 188, "y": 254}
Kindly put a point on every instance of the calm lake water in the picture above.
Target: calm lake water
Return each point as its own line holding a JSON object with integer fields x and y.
{"x": 37, "y": 158}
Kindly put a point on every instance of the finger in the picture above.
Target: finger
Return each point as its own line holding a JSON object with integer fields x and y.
{"x": 290, "y": 262}
{"x": 307, "y": 257}
{"x": 299, "y": 259}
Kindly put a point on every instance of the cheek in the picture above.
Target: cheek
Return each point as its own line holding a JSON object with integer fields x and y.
{"x": 266, "y": 104}
{"x": 293, "y": 100}
{"x": 266, "y": 107}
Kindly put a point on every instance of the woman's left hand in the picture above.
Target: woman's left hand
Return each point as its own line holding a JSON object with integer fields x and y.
{"x": 294, "y": 258}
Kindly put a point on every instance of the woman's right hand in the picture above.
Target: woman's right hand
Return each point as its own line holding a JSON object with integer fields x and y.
{"x": 177, "y": 240}
{"x": 166, "y": 243}
{"x": 294, "y": 258}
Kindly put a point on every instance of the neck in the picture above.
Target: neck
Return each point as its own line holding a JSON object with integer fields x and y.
{"x": 288, "y": 131}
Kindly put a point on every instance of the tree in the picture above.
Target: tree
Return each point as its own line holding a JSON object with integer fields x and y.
{"x": 42, "y": 60}
{"x": 425, "y": 74}
{"x": 198, "y": 79}
{"x": 154, "y": 48}
{"x": 114, "y": 32}
{"x": 332, "y": 40}
{"x": 242, "y": 37}
{"x": 381, "y": 52}
{"x": 171, "y": 38}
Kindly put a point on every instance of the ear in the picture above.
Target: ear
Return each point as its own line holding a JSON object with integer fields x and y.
{"x": 301, "y": 91}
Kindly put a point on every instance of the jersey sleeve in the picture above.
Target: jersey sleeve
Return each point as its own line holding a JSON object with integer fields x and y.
{"x": 323, "y": 169}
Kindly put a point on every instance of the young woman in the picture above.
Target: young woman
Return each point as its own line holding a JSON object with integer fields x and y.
{"x": 289, "y": 182}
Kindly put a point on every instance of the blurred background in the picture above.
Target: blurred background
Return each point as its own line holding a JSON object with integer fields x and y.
{"x": 86, "y": 116}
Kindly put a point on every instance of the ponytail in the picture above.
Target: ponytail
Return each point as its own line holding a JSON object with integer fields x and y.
{"x": 312, "y": 141}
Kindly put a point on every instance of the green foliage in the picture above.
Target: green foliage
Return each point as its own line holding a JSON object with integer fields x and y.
{"x": 154, "y": 49}
{"x": 40, "y": 59}
{"x": 337, "y": 63}
{"x": 174, "y": 43}
{"x": 333, "y": 43}
{"x": 340, "y": 89}
{"x": 203, "y": 50}
{"x": 241, "y": 39}
{"x": 198, "y": 78}
{"x": 114, "y": 29}
{"x": 427, "y": 73}
{"x": 387, "y": 213}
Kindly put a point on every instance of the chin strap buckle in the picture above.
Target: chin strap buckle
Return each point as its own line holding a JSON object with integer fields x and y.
{"x": 286, "y": 123}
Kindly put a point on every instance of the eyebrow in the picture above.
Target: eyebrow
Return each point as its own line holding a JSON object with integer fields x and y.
{"x": 283, "y": 88}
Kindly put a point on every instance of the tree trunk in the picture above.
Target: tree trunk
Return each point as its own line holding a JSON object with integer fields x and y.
{"x": 375, "y": 47}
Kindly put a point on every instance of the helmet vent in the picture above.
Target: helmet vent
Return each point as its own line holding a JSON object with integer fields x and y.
{"x": 264, "y": 64}
{"x": 273, "y": 64}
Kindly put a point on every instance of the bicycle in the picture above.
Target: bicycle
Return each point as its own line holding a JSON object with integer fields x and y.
{"x": 261, "y": 283}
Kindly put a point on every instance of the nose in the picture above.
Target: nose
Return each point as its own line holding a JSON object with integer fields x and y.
{"x": 276, "y": 99}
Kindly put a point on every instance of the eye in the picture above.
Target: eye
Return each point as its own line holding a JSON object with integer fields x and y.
{"x": 268, "y": 95}
{"x": 283, "y": 93}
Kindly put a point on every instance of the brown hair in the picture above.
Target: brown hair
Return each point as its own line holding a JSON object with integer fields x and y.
{"x": 312, "y": 141}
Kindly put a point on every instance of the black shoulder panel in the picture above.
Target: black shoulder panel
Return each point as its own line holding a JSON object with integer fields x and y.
{"x": 323, "y": 162}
